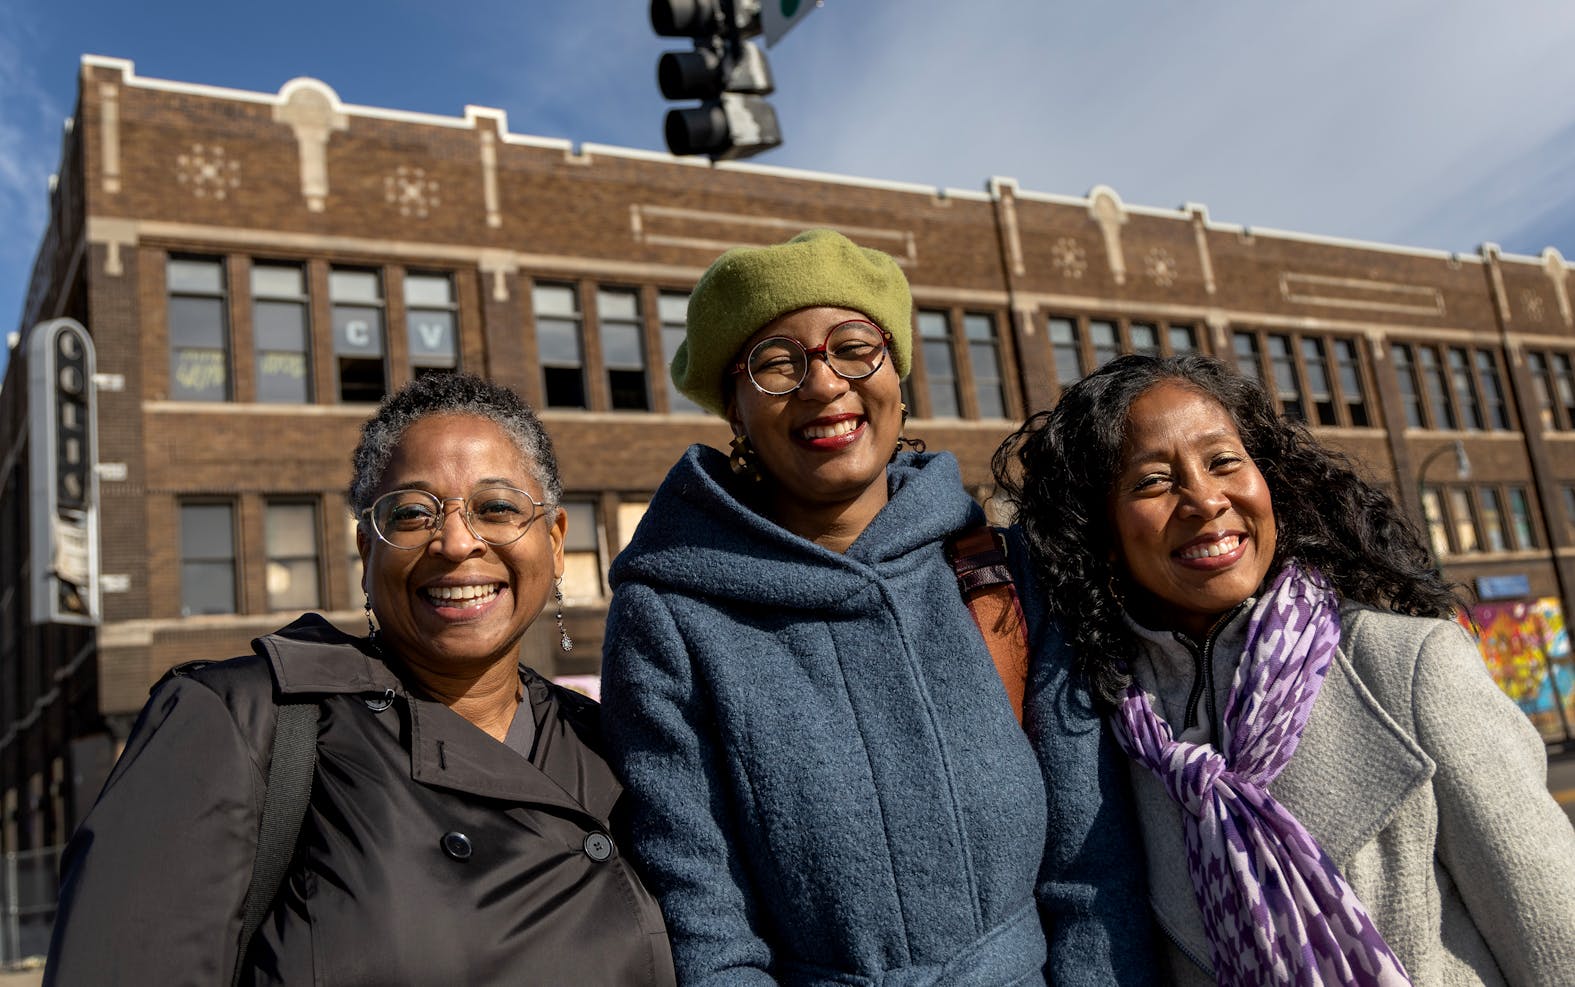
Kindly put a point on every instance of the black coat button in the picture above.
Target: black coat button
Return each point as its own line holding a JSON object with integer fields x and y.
{"x": 598, "y": 846}
{"x": 457, "y": 845}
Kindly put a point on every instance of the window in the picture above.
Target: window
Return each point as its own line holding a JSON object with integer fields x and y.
{"x": 1440, "y": 412}
{"x": 1569, "y": 508}
{"x": 558, "y": 339}
{"x": 1495, "y": 409}
{"x": 984, "y": 358}
{"x": 1068, "y": 356}
{"x": 1495, "y": 538}
{"x": 199, "y": 329}
{"x": 1410, "y": 386}
{"x": 1437, "y": 527}
{"x": 281, "y": 334}
{"x": 1452, "y": 387}
{"x": 1555, "y": 391}
{"x": 1311, "y": 378}
{"x": 291, "y": 542}
{"x": 582, "y": 558}
{"x": 1246, "y": 346}
{"x": 357, "y": 306}
{"x": 1542, "y": 388}
{"x": 630, "y": 514}
{"x": 1520, "y": 519}
{"x": 431, "y": 321}
{"x": 1145, "y": 338}
{"x": 1320, "y": 393}
{"x": 936, "y": 340}
{"x": 1106, "y": 342}
{"x": 1282, "y": 368}
{"x": 623, "y": 349}
{"x": 207, "y": 559}
{"x": 1465, "y": 524}
{"x": 1348, "y": 371}
{"x": 1082, "y": 345}
{"x": 672, "y": 311}
{"x": 1460, "y": 383}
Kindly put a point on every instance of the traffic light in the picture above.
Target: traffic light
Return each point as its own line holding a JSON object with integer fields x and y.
{"x": 725, "y": 71}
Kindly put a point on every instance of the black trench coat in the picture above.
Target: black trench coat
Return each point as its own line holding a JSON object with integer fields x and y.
{"x": 430, "y": 853}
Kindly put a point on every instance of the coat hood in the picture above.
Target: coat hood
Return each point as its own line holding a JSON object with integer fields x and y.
{"x": 699, "y": 538}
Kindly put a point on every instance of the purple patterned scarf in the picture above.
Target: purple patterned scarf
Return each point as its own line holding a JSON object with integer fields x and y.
{"x": 1275, "y": 908}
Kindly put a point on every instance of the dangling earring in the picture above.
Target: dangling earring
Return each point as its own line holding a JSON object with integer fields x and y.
{"x": 917, "y": 445}
{"x": 1116, "y": 596}
{"x": 744, "y": 462}
{"x": 564, "y": 640}
{"x": 371, "y": 628}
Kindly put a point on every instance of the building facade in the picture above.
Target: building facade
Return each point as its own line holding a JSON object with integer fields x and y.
{"x": 258, "y": 269}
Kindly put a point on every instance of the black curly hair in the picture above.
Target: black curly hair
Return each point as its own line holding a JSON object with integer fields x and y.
{"x": 1059, "y": 468}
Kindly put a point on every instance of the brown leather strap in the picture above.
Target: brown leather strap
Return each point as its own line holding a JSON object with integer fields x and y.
{"x": 978, "y": 557}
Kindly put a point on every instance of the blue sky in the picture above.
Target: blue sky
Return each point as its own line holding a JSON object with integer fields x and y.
{"x": 1436, "y": 123}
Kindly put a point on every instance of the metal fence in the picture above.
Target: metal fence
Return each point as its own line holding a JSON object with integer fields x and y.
{"x": 28, "y": 891}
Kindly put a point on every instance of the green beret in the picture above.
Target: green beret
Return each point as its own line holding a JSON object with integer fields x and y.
{"x": 747, "y": 287}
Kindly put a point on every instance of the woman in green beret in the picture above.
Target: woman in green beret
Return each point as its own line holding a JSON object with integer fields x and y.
{"x": 829, "y": 783}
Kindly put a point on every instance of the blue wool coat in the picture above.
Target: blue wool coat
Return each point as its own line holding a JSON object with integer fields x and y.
{"x": 827, "y": 783}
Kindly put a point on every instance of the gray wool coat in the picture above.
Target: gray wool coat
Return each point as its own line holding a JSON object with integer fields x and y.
{"x": 827, "y": 783}
{"x": 1423, "y": 782}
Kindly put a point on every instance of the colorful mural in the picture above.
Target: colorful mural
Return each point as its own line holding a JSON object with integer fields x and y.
{"x": 1521, "y": 640}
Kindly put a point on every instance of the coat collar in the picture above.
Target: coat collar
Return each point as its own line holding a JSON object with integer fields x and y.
{"x": 1353, "y": 769}
{"x": 312, "y": 656}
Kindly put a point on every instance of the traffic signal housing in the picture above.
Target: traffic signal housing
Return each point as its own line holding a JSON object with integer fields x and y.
{"x": 725, "y": 71}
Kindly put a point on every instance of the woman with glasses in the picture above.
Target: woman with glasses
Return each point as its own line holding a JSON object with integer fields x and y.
{"x": 458, "y": 828}
{"x": 828, "y": 781}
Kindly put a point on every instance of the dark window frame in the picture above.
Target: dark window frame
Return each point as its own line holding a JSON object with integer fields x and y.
{"x": 221, "y": 295}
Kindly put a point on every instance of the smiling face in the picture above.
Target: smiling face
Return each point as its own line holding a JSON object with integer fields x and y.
{"x": 459, "y": 605}
{"x": 825, "y": 446}
{"x": 1192, "y": 514}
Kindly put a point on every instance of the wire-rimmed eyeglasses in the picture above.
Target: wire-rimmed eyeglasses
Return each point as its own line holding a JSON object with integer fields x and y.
{"x": 778, "y": 365}
{"x": 410, "y": 519}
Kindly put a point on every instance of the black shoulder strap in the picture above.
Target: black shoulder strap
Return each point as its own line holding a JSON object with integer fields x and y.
{"x": 290, "y": 772}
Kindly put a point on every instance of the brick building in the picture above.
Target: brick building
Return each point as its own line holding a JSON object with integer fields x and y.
{"x": 257, "y": 268}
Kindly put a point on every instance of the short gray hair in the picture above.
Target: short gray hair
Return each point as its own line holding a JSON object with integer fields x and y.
{"x": 451, "y": 394}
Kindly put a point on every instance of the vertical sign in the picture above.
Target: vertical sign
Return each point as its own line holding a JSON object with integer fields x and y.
{"x": 62, "y": 412}
{"x": 778, "y": 17}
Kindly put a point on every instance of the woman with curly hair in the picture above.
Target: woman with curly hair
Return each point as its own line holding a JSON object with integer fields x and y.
{"x": 1331, "y": 788}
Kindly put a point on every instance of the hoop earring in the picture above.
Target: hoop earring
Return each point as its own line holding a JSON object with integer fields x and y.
{"x": 917, "y": 445}
{"x": 564, "y": 640}
{"x": 744, "y": 461}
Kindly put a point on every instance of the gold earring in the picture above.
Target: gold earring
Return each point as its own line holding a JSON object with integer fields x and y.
{"x": 744, "y": 461}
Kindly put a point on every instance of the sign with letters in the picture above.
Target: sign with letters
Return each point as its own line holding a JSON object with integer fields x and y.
{"x": 62, "y": 411}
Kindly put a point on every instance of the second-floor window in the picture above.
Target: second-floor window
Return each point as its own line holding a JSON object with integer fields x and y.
{"x": 199, "y": 329}
{"x": 557, "y": 308}
{"x": 280, "y": 333}
{"x": 984, "y": 362}
{"x": 1311, "y": 378}
{"x": 1450, "y": 387}
{"x": 1554, "y": 387}
{"x": 940, "y": 369}
{"x": 359, "y": 339}
{"x": 430, "y": 320}
{"x": 623, "y": 349}
{"x": 672, "y": 309}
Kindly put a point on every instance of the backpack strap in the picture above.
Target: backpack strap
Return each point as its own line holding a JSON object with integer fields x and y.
{"x": 290, "y": 773}
{"x": 978, "y": 557}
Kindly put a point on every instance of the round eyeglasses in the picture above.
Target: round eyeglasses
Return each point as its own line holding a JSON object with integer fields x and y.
{"x": 409, "y": 519}
{"x": 778, "y": 365}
